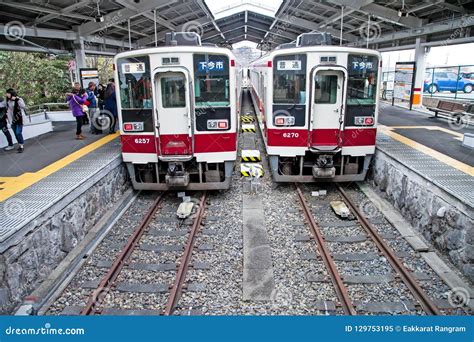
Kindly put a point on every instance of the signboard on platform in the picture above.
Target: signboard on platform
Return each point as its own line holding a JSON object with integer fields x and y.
{"x": 403, "y": 83}
{"x": 88, "y": 75}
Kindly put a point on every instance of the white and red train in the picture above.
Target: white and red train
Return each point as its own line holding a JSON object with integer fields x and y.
{"x": 317, "y": 109}
{"x": 178, "y": 108}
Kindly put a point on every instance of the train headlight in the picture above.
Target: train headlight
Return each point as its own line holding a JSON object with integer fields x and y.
{"x": 364, "y": 120}
{"x": 217, "y": 124}
{"x": 133, "y": 127}
{"x": 284, "y": 121}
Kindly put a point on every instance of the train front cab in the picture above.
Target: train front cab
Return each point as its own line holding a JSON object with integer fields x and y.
{"x": 323, "y": 125}
{"x": 190, "y": 139}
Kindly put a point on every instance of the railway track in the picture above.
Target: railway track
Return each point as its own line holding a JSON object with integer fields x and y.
{"x": 96, "y": 302}
{"x": 383, "y": 249}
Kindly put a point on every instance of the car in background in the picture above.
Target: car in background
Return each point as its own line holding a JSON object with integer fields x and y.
{"x": 446, "y": 81}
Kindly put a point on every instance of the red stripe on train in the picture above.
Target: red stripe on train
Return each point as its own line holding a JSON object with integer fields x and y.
{"x": 203, "y": 143}
{"x": 135, "y": 143}
{"x": 321, "y": 137}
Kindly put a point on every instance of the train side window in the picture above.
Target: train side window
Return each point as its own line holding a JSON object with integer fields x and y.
{"x": 173, "y": 91}
{"x": 325, "y": 89}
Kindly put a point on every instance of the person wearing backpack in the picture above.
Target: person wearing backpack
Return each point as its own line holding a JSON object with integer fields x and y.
{"x": 76, "y": 101}
{"x": 16, "y": 111}
{"x": 4, "y": 124}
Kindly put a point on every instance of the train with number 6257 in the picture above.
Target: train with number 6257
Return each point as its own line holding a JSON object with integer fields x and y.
{"x": 178, "y": 107}
{"x": 317, "y": 108}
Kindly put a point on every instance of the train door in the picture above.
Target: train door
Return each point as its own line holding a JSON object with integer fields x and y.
{"x": 327, "y": 108}
{"x": 173, "y": 113}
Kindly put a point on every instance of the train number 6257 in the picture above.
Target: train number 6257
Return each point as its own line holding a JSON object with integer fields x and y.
{"x": 142, "y": 140}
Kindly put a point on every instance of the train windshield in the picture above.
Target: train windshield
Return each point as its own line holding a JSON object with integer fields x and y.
{"x": 211, "y": 80}
{"x": 135, "y": 92}
{"x": 289, "y": 79}
{"x": 135, "y": 82}
{"x": 362, "y": 83}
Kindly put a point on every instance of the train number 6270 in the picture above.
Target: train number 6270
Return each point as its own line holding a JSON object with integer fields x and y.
{"x": 291, "y": 135}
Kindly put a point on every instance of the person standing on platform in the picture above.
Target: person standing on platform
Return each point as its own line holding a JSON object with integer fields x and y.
{"x": 110, "y": 104}
{"x": 4, "y": 124}
{"x": 100, "y": 96}
{"x": 16, "y": 111}
{"x": 91, "y": 97}
{"x": 76, "y": 101}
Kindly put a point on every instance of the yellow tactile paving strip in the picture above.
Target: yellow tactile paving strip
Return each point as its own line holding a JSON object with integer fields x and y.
{"x": 388, "y": 130}
{"x": 12, "y": 185}
{"x": 458, "y": 135}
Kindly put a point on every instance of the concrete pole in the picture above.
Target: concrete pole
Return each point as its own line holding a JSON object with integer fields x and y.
{"x": 420, "y": 58}
{"x": 80, "y": 56}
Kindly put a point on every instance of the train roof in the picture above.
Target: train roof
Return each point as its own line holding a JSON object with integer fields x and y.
{"x": 319, "y": 48}
{"x": 175, "y": 49}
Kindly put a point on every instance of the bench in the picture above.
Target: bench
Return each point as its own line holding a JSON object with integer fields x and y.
{"x": 455, "y": 110}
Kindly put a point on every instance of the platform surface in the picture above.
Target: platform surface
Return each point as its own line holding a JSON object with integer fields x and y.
{"x": 437, "y": 134}
{"x": 24, "y": 197}
{"x": 45, "y": 149}
{"x": 454, "y": 181}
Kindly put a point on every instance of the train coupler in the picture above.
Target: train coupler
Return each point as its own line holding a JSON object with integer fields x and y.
{"x": 177, "y": 176}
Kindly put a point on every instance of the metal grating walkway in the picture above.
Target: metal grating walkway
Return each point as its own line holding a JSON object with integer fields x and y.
{"x": 26, "y": 205}
{"x": 453, "y": 181}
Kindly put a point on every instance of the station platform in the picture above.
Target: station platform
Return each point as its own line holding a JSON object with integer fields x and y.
{"x": 420, "y": 131}
{"x": 45, "y": 155}
{"x": 52, "y": 166}
{"x": 429, "y": 147}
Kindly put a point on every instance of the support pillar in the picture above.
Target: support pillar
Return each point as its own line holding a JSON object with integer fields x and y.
{"x": 420, "y": 59}
{"x": 79, "y": 56}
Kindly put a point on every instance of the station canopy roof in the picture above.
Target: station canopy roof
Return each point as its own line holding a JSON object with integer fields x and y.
{"x": 106, "y": 27}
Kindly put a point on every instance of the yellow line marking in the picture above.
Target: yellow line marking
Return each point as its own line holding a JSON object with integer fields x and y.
{"x": 431, "y": 128}
{"x": 14, "y": 185}
{"x": 429, "y": 151}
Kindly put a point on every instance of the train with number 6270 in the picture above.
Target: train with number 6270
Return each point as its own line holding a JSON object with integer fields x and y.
{"x": 178, "y": 107}
{"x": 317, "y": 108}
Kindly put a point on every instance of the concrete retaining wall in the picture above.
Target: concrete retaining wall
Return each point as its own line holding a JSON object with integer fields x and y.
{"x": 55, "y": 232}
{"x": 443, "y": 219}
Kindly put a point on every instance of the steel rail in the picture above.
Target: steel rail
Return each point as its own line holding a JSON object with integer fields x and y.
{"x": 176, "y": 290}
{"x": 107, "y": 281}
{"x": 426, "y": 303}
{"x": 336, "y": 278}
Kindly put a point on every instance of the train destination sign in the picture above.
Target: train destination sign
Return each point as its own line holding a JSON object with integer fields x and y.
{"x": 211, "y": 66}
{"x": 289, "y": 65}
{"x": 133, "y": 68}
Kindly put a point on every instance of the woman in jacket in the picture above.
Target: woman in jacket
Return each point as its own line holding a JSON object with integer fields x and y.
{"x": 16, "y": 112}
{"x": 76, "y": 101}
